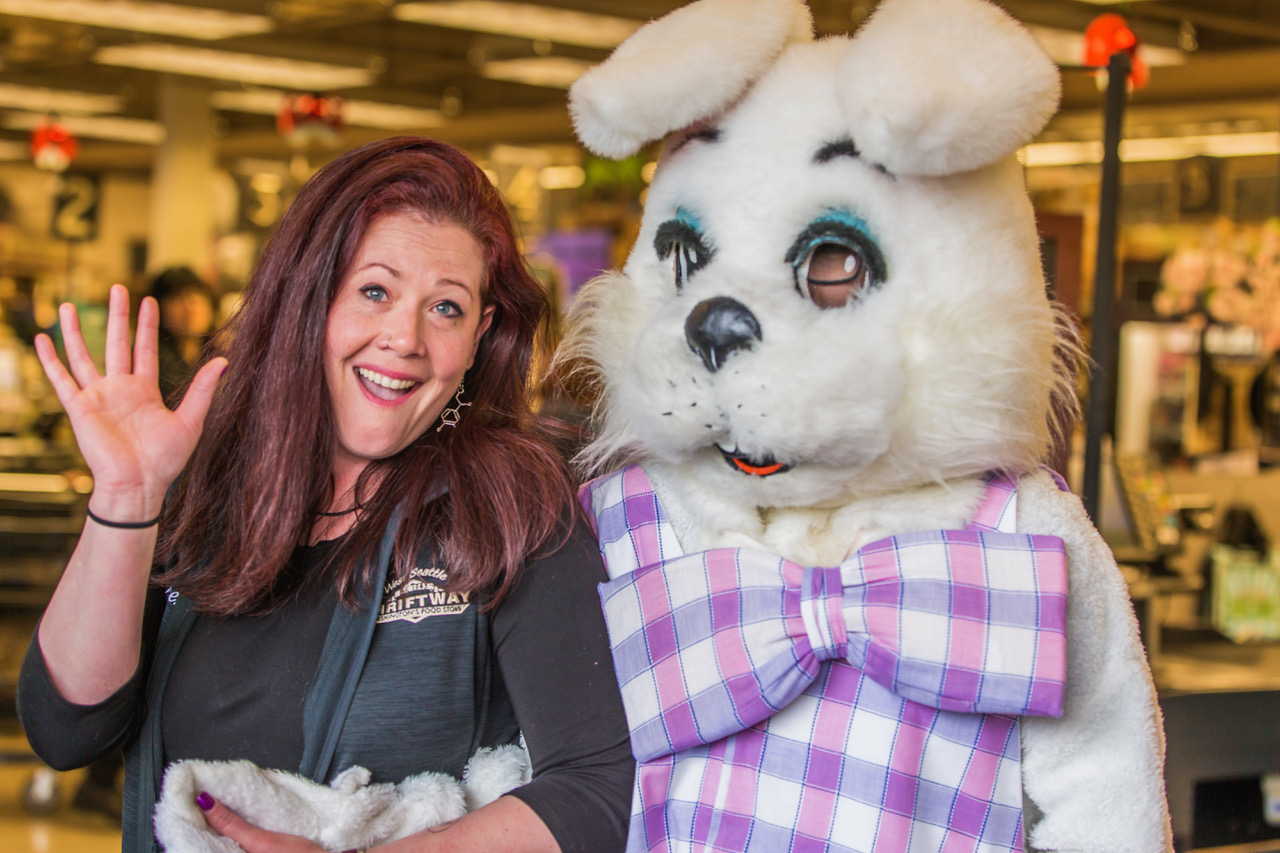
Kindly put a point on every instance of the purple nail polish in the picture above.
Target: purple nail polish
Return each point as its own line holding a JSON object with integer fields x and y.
{"x": 204, "y": 801}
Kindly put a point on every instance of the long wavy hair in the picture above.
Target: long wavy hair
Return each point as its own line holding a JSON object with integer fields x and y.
{"x": 491, "y": 491}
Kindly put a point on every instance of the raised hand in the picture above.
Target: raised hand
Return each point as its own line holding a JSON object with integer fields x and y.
{"x": 134, "y": 445}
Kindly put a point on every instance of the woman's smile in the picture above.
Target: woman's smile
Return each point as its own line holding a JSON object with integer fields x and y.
{"x": 386, "y": 387}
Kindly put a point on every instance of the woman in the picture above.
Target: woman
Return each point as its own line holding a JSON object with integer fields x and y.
{"x": 345, "y": 471}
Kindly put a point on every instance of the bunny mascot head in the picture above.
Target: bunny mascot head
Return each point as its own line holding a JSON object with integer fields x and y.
{"x": 832, "y": 334}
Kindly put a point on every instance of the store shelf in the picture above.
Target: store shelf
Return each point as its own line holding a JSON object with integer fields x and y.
{"x": 1203, "y": 661}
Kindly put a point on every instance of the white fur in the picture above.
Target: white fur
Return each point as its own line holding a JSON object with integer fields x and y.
{"x": 348, "y": 813}
{"x": 704, "y": 56}
{"x": 971, "y": 88}
{"x": 1096, "y": 774}
{"x": 882, "y": 411}
{"x": 890, "y": 409}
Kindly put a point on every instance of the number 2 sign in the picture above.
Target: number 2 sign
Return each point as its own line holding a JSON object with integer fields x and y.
{"x": 75, "y": 207}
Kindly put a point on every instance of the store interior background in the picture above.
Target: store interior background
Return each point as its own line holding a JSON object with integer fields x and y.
{"x": 182, "y": 160}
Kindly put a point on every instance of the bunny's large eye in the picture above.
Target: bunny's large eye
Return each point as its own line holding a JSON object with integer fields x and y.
{"x": 831, "y": 274}
{"x": 835, "y": 262}
{"x": 679, "y": 241}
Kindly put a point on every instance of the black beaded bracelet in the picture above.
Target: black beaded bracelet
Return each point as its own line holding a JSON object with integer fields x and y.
{"x": 122, "y": 525}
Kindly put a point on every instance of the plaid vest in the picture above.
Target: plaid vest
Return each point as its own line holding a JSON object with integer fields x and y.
{"x": 870, "y": 707}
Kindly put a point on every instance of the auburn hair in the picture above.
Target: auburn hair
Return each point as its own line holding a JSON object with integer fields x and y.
{"x": 488, "y": 493}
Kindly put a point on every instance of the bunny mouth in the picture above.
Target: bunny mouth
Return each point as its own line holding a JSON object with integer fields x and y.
{"x": 756, "y": 466}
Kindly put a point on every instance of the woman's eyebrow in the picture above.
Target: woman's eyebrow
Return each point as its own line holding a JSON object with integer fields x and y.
{"x": 386, "y": 266}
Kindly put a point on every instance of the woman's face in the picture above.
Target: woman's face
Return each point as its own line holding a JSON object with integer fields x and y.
{"x": 187, "y": 313}
{"x": 402, "y": 331}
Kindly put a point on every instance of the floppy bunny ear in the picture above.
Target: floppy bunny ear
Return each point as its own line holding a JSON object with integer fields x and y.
{"x": 684, "y": 67}
{"x": 937, "y": 87}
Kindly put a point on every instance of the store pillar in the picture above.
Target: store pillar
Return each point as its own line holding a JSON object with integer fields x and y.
{"x": 181, "y": 227}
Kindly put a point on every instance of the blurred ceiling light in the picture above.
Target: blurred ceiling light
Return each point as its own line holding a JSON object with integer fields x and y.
{"x": 94, "y": 127}
{"x": 62, "y": 101}
{"x": 1066, "y": 47}
{"x": 553, "y": 72}
{"x": 1158, "y": 148}
{"x": 523, "y": 20}
{"x": 168, "y": 19}
{"x": 561, "y": 177}
{"x": 357, "y": 113}
{"x": 241, "y": 67}
{"x": 389, "y": 116}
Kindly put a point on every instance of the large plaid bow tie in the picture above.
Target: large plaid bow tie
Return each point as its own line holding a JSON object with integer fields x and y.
{"x": 709, "y": 644}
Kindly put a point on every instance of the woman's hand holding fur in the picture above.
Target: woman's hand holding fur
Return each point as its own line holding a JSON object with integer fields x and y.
{"x": 252, "y": 839}
{"x": 133, "y": 444}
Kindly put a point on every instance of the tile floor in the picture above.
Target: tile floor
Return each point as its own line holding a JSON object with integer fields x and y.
{"x": 66, "y": 830}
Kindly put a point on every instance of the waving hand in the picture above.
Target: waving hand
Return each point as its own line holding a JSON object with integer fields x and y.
{"x": 133, "y": 444}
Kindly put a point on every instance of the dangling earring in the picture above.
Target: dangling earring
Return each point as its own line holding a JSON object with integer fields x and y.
{"x": 449, "y": 417}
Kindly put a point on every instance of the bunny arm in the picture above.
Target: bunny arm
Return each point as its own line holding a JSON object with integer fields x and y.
{"x": 1093, "y": 781}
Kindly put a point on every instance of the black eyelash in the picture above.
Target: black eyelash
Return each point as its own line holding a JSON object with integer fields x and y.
{"x": 839, "y": 148}
{"x": 677, "y": 235}
{"x": 844, "y": 148}
{"x": 838, "y": 231}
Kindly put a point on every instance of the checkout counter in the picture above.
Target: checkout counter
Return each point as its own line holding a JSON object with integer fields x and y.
{"x": 1216, "y": 669}
{"x": 1209, "y": 613}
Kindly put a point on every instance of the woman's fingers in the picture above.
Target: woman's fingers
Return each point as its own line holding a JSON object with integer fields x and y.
{"x": 226, "y": 822}
{"x": 252, "y": 839}
{"x": 82, "y": 366}
{"x": 146, "y": 346}
{"x": 63, "y": 385}
{"x": 195, "y": 403}
{"x": 118, "y": 356}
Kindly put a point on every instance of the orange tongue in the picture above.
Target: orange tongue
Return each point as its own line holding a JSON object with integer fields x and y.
{"x": 758, "y": 470}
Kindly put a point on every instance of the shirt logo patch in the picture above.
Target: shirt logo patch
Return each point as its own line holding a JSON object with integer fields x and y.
{"x": 418, "y": 597}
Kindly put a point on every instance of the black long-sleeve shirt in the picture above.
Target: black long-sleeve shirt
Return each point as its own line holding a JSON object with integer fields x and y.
{"x": 426, "y": 698}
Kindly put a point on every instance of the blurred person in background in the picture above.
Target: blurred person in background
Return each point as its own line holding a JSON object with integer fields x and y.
{"x": 188, "y": 310}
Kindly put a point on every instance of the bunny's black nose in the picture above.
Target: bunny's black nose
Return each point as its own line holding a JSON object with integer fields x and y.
{"x": 717, "y": 328}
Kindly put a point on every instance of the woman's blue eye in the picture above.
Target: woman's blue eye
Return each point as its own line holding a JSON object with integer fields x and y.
{"x": 449, "y": 309}
{"x": 374, "y": 292}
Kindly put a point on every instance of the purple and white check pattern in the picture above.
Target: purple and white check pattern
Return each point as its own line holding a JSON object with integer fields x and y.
{"x": 748, "y": 740}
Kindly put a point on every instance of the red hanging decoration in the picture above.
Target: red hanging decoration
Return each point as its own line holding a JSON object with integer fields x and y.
{"x": 310, "y": 118}
{"x": 52, "y": 145}
{"x": 1110, "y": 34}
